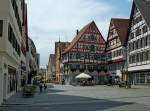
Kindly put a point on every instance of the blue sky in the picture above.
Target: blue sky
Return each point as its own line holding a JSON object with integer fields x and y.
{"x": 50, "y": 20}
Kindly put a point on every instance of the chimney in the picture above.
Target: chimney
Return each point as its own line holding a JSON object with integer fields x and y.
{"x": 77, "y": 32}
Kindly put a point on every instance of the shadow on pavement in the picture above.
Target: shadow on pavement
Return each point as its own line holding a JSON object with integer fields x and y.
{"x": 49, "y": 101}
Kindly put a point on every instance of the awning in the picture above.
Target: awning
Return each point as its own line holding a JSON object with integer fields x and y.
{"x": 83, "y": 76}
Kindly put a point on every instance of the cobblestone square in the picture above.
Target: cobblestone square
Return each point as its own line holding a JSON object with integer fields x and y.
{"x": 82, "y": 98}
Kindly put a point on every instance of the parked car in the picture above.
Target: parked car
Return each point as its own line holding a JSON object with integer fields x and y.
{"x": 29, "y": 90}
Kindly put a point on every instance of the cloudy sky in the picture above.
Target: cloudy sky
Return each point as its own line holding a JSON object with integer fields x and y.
{"x": 50, "y": 20}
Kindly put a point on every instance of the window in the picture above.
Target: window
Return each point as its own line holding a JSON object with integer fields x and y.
{"x": 119, "y": 52}
{"x": 1, "y": 28}
{"x": 103, "y": 58}
{"x": 141, "y": 43}
{"x": 114, "y": 54}
{"x": 146, "y": 41}
{"x": 87, "y": 47}
{"x": 95, "y": 57}
{"x": 93, "y": 38}
{"x": 144, "y": 56}
{"x": 137, "y": 57}
{"x": 81, "y": 56}
{"x": 148, "y": 54}
{"x": 91, "y": 57}
{"x": 10, "y": 34}
{"x": 138, "y": 32}
{"x": 141, "y": 57}
{"x": 142, "y": 78}
{"x": 92, "y": 48}
{"x": 77, "y": 55}
{"x": 87, "y": 56}
{"x": 70, "y": 56}
{"x": 144, "y": 29}
{"x": 84, "y": 37}
{"x": 138, "y": 19}
{"x": 131, "y": 35}
{"x": 129, "y": 47}
{"x": 133, "y": 59}
{"x": 15, "y": 7}
{"x": 12, "y": 39}
{"x": 138, "y": 44}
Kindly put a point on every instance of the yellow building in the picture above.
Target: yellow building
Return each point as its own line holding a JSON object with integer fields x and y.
{"x": 59, "y": 48}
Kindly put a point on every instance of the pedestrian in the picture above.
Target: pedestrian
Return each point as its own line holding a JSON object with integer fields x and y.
{"x": 41, "y": 87}
{"x": 63, "y": 82}
{"x": 45, "y": 86}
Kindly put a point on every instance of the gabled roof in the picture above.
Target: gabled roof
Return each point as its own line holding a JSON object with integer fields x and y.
{"x": 121, "y": 26}
{"x": 78, "y": 36}
{"x": 144, "y": 7}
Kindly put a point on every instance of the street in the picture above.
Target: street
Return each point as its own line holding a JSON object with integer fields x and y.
{"x": 82, "y": 98}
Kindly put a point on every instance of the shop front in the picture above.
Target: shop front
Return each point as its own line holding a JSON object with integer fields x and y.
{"x": 138, "y": 77}
{"x": 12, "y": 79}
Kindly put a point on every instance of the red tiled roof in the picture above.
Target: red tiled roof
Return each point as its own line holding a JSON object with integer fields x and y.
{"x": 77, "y": 37}
{"x": 121, "y": 26}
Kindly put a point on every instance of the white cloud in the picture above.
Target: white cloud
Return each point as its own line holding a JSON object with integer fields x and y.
{"x": 49, "y": 19}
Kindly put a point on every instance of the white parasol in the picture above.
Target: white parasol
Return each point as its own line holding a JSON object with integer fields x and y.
{"x": 83, "y": 76}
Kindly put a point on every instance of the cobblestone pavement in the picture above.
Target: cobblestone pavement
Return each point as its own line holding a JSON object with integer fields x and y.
{"x": 77, "y": 98}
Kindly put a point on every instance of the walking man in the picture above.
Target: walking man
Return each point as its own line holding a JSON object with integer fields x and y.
{"x": 45, "y": 86}
{"x": 41, "y": 87}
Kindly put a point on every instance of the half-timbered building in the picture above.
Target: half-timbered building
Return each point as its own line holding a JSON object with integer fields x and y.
{"x": 115, "y": 46}
{"x": 139, "y": 43}
{"x": 85, "y": 54}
